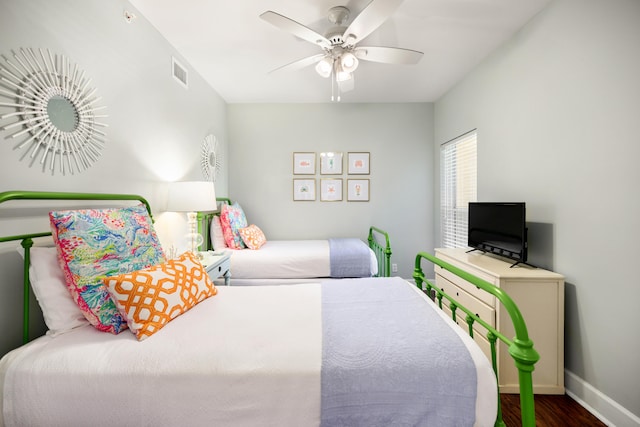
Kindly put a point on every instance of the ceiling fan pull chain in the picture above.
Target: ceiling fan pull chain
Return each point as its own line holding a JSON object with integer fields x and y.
{"x": 335, "y": 87}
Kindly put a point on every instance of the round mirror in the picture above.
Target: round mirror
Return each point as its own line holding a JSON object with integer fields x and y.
{"x": 57, "y": 109}
{"x": 210, "y": 157}
{"x": 62, "y": 113}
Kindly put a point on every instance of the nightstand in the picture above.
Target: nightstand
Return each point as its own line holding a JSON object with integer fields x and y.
{"x": 217, "y": 265}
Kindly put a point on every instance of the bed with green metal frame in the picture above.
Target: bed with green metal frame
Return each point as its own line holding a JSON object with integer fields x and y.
{"x": 520, "y": 347}
{"x": 377, "y": 240}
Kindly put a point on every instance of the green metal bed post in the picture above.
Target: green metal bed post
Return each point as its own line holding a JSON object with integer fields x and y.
{"x": 520, "y": 348}
{"x": 26, "y": 245}
{"x": 494, "y": 362}
{"x": 202, "y": 229}
{"x": 386, "y": 251}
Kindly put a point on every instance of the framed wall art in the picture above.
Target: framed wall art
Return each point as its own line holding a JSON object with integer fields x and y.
{"x": 357, "y": 190}
{"x": 304, "y": 163}
{"x": 331, "y": 190}
{"x": 358, "y": 163}
{"x": 331, "y": 163}
{"x": 304, "y": 189}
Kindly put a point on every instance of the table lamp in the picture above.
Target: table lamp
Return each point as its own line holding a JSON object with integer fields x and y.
{"x": 192, "y": 197}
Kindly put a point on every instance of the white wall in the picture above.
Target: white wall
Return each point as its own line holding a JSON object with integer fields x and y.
{"x": 556, "y": 110}
{"x": 155, "y": 128}
{"x": 399, "y": 138}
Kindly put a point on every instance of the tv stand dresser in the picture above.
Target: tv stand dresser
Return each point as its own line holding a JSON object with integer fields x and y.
{"x": 538, "y": 293}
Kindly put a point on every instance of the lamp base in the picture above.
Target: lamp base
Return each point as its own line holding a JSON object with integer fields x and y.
{"x": 195, "y": 239}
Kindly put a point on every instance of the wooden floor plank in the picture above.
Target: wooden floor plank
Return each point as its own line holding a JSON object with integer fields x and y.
{"x": 551, "y": 411}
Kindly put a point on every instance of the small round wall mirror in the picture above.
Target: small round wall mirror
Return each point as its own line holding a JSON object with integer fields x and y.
{"x": 210, "y": 159}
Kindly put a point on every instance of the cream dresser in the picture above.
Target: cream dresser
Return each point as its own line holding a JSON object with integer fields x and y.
{"x": 538, "y": 293}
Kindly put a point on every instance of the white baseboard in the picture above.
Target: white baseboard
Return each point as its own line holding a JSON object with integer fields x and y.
{"x": 600, "y": 405}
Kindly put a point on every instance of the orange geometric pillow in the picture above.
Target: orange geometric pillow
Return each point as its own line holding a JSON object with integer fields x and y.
{"x": 252, "y": 236}
{"x": 149, "y": 299}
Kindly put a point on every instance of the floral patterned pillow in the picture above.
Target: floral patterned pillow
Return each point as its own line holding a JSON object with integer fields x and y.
{"x": 232, "y": 219}
{"x": 95, "y": 243}
{"x": 151, "y": 298}
{"x": 253, "y": 237}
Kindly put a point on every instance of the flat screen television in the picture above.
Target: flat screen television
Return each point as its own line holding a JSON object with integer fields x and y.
{"x": 499, "y": 228}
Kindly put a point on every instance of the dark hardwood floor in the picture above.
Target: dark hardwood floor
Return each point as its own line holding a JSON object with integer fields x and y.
{"x": 551, "y": 411}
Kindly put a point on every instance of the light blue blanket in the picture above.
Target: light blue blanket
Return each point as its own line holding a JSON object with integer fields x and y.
{"x": 349, "y": 258}
{"x": 389, "y": 360}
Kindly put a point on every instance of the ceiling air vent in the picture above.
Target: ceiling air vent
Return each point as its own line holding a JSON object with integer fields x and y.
{"x": 179, "y": 73}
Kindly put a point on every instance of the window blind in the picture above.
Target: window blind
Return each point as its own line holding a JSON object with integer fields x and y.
{"x": 458, "y": 187}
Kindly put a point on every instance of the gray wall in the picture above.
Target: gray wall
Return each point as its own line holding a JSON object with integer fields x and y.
{"x": 155, "y": 126}
{"x": 399, "y": 138}
{"x": 556, "y": 110}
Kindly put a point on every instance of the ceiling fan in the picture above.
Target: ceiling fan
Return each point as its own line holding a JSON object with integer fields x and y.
{"x": 341, "y": 51}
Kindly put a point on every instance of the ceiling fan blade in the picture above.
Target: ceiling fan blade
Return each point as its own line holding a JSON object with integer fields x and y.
{"x": 388, "y": 55}
{"x": 300, "y": 63}
{"x": 295, "y": 28}
{"x": 369, "y": 19}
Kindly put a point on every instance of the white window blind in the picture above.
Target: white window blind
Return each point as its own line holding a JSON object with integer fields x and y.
{"x": 458, "y": 187}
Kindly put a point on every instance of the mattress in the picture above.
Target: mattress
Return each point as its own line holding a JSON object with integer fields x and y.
{"x": 247, "y": 356}
{"x": 286, "y": 259}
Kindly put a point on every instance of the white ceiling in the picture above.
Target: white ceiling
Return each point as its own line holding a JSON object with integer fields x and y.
{"x": 234, "y": 50}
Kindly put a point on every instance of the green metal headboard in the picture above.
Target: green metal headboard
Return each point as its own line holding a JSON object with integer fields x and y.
{"x": 204, "y": 224}
{"x": 26, "y": 240}
{"x": 520, "y": 348}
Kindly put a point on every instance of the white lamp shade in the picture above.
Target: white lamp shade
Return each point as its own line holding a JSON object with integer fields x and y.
{"x": 191, "y": 196}
{"x": 349, "y": 62}
{"x": 325, "y": 66}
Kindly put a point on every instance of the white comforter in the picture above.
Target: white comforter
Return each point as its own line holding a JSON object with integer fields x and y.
{"x": 286, "y": 259}
{"x": 245, "y": 357}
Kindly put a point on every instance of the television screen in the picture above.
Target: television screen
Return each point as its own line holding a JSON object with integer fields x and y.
{"x": 498, "y": 228}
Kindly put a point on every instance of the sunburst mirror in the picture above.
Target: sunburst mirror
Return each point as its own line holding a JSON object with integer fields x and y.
{"x": 55, "y": 121}
{"x": 210, "y": 158}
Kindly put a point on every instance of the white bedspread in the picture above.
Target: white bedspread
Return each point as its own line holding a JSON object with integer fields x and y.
{"x": 233, "y": 359}
{"x": 286, "y": 259}
{"x": 248, "y": 356}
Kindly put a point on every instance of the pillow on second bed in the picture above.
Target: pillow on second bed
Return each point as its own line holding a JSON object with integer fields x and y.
{"x": 253, "y": 237}
{"x": 232, "y": 219}
{"x": 217, "y": 237}
{"x": 151, "y": 298}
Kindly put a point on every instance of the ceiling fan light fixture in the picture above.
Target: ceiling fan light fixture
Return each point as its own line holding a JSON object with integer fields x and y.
{"x": 349, "y": 62}
{"x": 325, "y": 66}
{"x": 343, "y": 76}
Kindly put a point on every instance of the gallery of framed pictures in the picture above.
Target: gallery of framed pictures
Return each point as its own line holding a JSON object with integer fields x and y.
{"x": 331, "y": 184}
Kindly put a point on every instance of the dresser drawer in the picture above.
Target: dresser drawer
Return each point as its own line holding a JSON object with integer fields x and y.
{"x": 485, "y": 297}
{"x": 482, "y": 310}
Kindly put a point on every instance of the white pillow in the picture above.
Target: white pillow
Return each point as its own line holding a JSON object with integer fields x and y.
{"x": 61, "y": 314}
{"x": 217, "y": 238}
